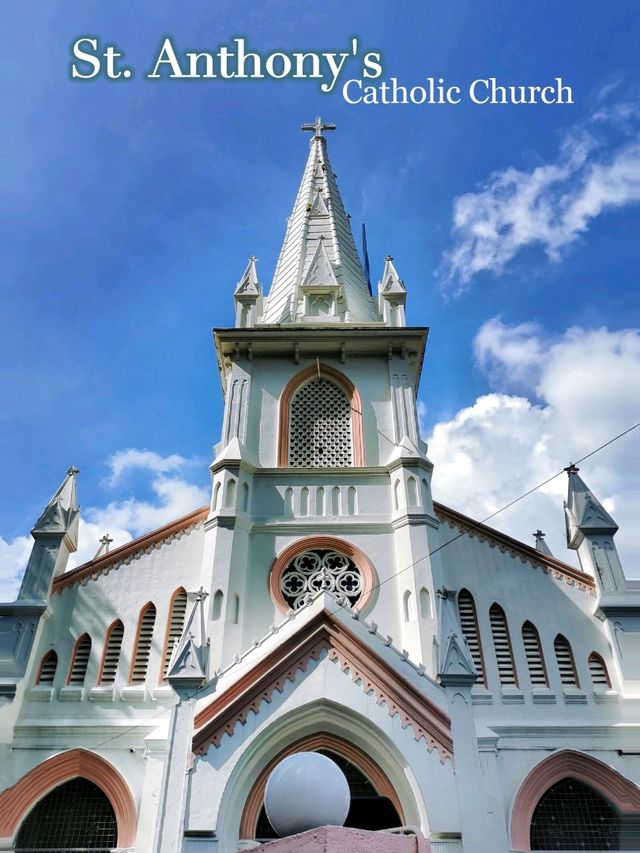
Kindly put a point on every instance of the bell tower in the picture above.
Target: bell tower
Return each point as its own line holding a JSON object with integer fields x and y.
{"x": 320, "y": 480}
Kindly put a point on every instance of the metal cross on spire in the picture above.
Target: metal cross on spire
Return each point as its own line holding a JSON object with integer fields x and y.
{"x": 317, "y": 127}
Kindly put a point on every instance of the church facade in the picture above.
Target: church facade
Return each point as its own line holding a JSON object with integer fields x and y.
{"x": 476, "y": 689}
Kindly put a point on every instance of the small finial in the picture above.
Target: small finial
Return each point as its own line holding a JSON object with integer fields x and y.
{"x": 252, "y": 259}
{"x": 443, "y": 592}
{"x": 538, "y": 535}
{"x": 106, "y": 541}
{"x": 571, "y": 468}
{"x": 72, "y": 471}
{"x": 317, "y": 127}
{"x": 389, "y": 258}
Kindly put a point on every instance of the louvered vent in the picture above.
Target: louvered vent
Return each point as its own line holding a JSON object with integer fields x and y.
{"x": 598, "y": 670}
{"x": 112, "y": 653}
{"x": 48, "y": 668}
{"x": 533, "y": 653}
{"x": 320, "y": 426}
{"x": 469, "y": 624}
{"x": 143, "y": 646}
{"x": 564, "y": 659}
{"x": 502, "y": 645}
{"x": 80, "y": 660}
{"x": 176, "y": 624}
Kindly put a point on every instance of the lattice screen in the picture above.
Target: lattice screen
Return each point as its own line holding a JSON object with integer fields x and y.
{"x": 320, "y": 426}
{"x": 572, "y": 816}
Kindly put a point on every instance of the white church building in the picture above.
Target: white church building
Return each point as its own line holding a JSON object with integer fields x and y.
{"x": 476, "y": 689}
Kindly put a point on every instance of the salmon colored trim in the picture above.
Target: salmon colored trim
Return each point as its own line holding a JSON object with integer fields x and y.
{"x": 326, "y": 543}
{"x": 621, "y": 792}
{"x": 556, "y": 567}
{"x": 604, "y": 666}
{"x": 495, "y": 607}
{"x": 323, "y": 633}
{"x": 573, "y": 660}
{"x": 540, "y": 652}
{"x": 16, "y": 802}
{"x": 311, "y": 743}
{"x": 42, "y": 663}
{"x": 166, "y": 633}
{"x": 482, "y": 680}
{"x": 357, "y": 435}
{"x": 106, "y": 646}
{"x": 73, "y": 655}
{"x": 86, "y": 570}
{"x": 143, "y": 611}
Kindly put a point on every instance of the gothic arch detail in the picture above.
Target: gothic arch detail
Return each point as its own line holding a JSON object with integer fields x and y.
{"x": 620, "y": 792}
{"x": 345, "y": 385}
{"x": 16, "y": 802}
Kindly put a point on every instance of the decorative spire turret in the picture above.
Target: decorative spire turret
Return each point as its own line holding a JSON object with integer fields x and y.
{"x": 319, "y": 276}
{"x": 455, "y": 664}
{"x": 392, "y": 295}
{"x": 248, "y": 296}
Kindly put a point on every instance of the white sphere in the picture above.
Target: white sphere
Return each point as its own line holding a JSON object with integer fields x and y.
{"x": 305, "y": 791}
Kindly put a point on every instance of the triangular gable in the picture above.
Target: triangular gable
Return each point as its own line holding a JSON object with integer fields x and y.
{"x": 318, "y": 208}
{"x": 320, "y": 271}
{"x": 324, "y": 634}
{"x": 249, "y": 284}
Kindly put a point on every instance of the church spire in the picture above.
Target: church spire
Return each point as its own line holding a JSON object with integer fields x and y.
{"x": 319, "y": 276}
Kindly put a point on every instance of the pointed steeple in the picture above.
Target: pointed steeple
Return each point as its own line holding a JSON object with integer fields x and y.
{"x": 455, "y": 664}
{"x": 56, "y": 537}
{"x": 187, "y": 667}
{"x": 248, "y": 295}
{"x": 392, "y": 295}
{"x": 541, "y": 545}
{"x": 584, "y": 514}
{"x": 341, "y": 293}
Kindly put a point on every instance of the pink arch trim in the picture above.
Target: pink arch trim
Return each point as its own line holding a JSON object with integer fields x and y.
{"x": 17, "y": 801}
{"x": 620, "y": 792}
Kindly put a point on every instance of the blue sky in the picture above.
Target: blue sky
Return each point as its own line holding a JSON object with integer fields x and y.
{"x": 129, "y": 209}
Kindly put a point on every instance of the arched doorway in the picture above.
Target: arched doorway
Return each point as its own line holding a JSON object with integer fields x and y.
{"x": 572, "y": 816}
{"x": 76, "y": 815}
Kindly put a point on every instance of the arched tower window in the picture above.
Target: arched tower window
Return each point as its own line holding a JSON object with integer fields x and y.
{"x": 572, "y": 816}
{"x": 48, "y": 667}
{"x": 75, "y": 815}
{"x": 80, "y": 660}
{"x": 469, "y": 625}
{"x": 144, "y": 639}
{"x": 111, "y": 654}
{"x": 502, "y": 644}
{"x": 534, "y": 656}
{"x": 320, "y": 421}
{"x": 598, "y": 671}
{"x": 177, "y": 613}
{"x": 565, "y": 661}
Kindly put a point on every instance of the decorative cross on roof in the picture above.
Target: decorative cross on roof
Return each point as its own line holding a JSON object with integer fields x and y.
{"x": 106, "y": 541}
{"x": 571, "y": 468}
{"x": 538, "y": 535}
{"x": 317, "y": 127}
{"x": 72, "y": 471}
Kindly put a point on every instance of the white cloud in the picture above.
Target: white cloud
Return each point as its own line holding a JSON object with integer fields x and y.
{"x": 587, "y": 384}
{"x": 123, "y": 520}
{"x": 549, "y": 206}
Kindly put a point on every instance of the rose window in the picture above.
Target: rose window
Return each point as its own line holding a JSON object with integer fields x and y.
{"x": 314, "y": 571}
{"x": 320, "y": 426}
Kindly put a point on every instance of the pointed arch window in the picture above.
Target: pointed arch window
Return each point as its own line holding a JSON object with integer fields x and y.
{"x": 471, "y": 632}
{"x": 320, "y": 421}
{"x": 572, "y": 816}
{"x": 79, "y": 660}
{"x": 534, "y": 655}
{"x": 144, "y": 640}
{"x": 565, "y": 661}
{"x": 48, "y": 667}
{"x": 598, "y": 671}
{"x": 111, "y": 654}
{"x": 502, "y": 645}
{"x": 177, "y": 613}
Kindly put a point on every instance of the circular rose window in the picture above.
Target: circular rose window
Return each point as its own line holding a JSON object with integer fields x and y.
{"x": 313, "y": 571}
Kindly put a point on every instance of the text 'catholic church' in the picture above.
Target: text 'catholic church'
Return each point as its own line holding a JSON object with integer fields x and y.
{"x": 477, "y": 691}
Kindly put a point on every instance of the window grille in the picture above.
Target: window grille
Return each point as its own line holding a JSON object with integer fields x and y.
{"x": 572, "y": 816}
{"x": 534, "y": 656}
{"x": 75, "y": 815}
{"x": 112, "y": 650}
{"x": 176, "y": 624}
{"x": 469, "y": 625}
{"x": 80, "y": 660}
{"x": 48, "y": 668}
{"x": 142, "y": 652}
{"x": 566, "y": 664}
{"x": 312, "y": 571}
{"x": 502, "y": 644}
{"x": 598, "y": 671}
{"x": 320, "y": 426}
